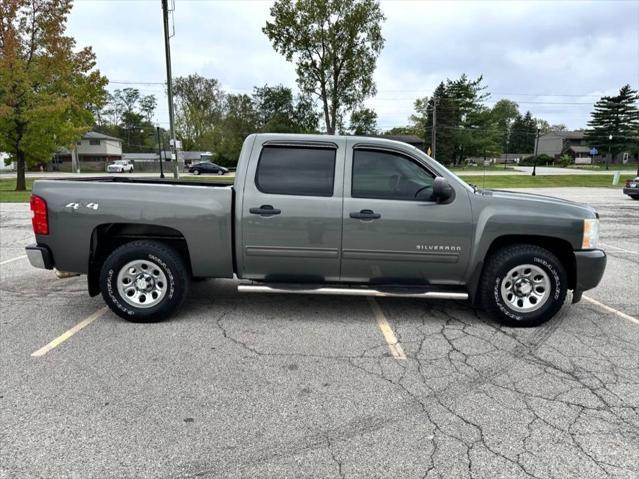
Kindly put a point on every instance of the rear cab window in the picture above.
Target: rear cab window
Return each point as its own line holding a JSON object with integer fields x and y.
{"x": 298, "y": 171}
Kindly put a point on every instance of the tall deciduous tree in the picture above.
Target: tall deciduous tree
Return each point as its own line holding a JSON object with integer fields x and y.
{"x": 363, "y": 122}
{"x": 618, "y": 116}
{"x": 48, "y": 89}
{"x": 279, "y": 112}
{"x": 334, "y": 44}
{"x": 200, "y": 104}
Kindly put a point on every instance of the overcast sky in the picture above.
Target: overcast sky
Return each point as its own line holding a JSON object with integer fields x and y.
{"x": 553, "y": 58}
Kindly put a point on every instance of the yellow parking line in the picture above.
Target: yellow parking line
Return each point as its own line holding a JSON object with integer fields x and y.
{"x": 393, "y": 344}
{"x": 63, "y": 337}
{"x": 611, "y": 310}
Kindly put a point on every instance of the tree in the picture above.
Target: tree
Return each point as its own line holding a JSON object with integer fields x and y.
{"x": 240, "y": 120}
{"x": 148, "y": 104}
{"x": 200, "y": 104}
{"x": 334, "y": 44}
{"x": 617, "y": 116}
{"x": 279, "y": 112}
{"x": 363, "y": 122}
{"x": 523, "y": 134}
{"x": 48, "y": 88}
{"x": 504, "y": 113}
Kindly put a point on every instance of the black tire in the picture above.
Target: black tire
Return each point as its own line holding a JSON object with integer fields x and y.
{"x": 170, "y": 267}
{"x": 196, "y": 172}
{"x": 634, "y": 197}
{"x": 501, "y": 263}
{"x": 220, "y": 172}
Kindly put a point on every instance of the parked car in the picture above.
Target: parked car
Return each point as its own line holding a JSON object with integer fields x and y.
{"x": 120, "y": 166}
{"x": 319, "y": 214}
{"x": 631, "y": 188}
{"x": 207, "y": 167}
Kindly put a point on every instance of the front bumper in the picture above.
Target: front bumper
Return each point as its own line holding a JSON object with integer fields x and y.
{"x": 39, "y": 256}
{"x": 590, "y": 266}
{"x": 631, "y": 191}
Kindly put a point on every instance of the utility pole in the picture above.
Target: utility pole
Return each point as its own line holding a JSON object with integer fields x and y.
{"x": 169, "y": 87}
{"x": 534, "y": 172}
{"x": 434, "y": 130}
{"x": 160, "y": 154}
{"x": 609, "y": 151}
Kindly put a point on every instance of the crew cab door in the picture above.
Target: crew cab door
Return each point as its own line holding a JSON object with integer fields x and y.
{"x": 394, "y": 232}
{"x": 291, "y": 225}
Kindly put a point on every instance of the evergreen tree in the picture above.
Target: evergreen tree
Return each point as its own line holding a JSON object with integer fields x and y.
{"x": 617, "y": 116}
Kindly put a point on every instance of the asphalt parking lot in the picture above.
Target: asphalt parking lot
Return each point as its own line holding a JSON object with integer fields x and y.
{"x": 307, "y": 386}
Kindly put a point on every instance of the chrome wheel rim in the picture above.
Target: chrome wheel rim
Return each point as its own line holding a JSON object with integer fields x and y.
{"x": 525, "y": 288}
{"x": 142, "y": 283}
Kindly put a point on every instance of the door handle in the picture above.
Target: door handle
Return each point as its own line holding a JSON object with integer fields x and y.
{"x": 366, "y": 215}
{"x": 265, "y": 210}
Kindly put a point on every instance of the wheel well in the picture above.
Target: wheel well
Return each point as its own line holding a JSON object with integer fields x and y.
{"x": 559, "y": 247}
{"x": 107, "y": 237}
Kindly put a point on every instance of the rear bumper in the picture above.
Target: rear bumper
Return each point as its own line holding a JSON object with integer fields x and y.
{"x": 590, "y": 268}
{"x": 39, "y": 256}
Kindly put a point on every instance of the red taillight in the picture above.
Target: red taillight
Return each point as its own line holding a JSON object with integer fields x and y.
{"x": 39, "y": 216}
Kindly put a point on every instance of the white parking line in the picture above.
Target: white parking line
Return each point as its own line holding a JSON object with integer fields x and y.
{"x": 6, "y": 261}
{"x": 611, "y": 310}
{"x": 620, "y": 249}
{"x": 393, "y": 344}
{"x": 63, "y": 337}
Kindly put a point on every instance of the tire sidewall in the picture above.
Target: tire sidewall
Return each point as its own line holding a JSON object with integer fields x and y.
{"x": 127, "y": 253}
{"x": 558, "y": 285}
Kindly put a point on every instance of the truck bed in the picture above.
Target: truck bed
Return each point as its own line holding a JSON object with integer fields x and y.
{"x": 201, "y": 213}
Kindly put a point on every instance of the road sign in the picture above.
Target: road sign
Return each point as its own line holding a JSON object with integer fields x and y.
{"x": 594, "y": 151}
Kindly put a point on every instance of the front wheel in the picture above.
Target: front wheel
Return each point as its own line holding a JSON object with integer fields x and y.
{"x": 196, "y": 172}
{"x": 634, "y": 197}
{"x": 220, "y": 172}
{"x": 144, "y": 281}
{"x": 523, "y": 285}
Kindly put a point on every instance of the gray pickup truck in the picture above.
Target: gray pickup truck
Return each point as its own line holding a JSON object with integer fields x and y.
{"x": 319, "y": 215}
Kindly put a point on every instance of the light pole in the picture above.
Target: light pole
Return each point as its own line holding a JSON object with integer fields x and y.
{"x": 160, "y": 153}
{"x": 534, "y": 172}
{"x": 169, "y": 88}
{"x": 609, "y": 150}
{"x": 506, "y": 159}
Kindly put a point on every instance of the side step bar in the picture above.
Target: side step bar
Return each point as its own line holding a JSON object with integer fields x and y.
{"x": 350, "y": 291}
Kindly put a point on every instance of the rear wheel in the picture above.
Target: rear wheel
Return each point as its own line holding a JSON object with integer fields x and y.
{"x": 144, "y": 281}
{"x": 523, "y": 285}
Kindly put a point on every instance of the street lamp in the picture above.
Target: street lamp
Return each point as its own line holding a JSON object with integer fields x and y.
{"x": 506, "y": 159}
{"x": 534, "y": 172}
{"x": 609, "y": 150}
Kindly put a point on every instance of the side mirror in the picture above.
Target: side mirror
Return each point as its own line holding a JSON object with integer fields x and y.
{"x": 442, "y": 191}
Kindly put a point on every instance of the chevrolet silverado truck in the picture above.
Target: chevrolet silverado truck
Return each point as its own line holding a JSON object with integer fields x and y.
{"x": 317, "y": 214}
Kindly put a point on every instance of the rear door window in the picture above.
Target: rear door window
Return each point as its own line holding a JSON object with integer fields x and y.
{"x": 290, "y": 170}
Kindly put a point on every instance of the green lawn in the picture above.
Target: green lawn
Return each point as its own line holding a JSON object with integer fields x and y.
{"x": 545, "y": 181}
{"x": 8, "y": 193}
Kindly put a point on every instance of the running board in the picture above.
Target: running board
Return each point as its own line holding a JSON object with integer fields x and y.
{"x": 352, "y": 291}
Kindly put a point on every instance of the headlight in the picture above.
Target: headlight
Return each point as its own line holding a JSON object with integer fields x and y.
{"x": 590, "y": 238}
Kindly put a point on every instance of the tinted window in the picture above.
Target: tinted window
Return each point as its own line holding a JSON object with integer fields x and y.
{"x": 379, "y": 174}
{"x": 296, "y": 171}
